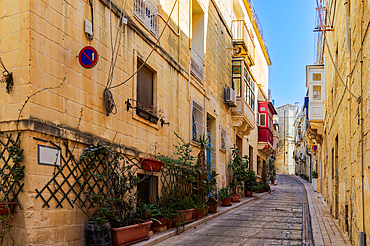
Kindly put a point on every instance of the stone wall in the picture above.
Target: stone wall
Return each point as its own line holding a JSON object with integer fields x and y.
{"x": 344, "y": 187}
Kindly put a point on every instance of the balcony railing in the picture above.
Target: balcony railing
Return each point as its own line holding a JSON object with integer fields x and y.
{"x": 242, "y": 35}
{"x": 259, "y": 26}
{"x": 147, "y": 13}
{"x": 196, "y": 65}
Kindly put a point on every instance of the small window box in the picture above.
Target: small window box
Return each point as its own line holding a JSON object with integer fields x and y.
{"x": 147, "y": 115}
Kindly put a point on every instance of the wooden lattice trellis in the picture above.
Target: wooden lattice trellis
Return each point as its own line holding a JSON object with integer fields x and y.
{"x": 75, "y": 179}
{"x": 11, "y": 173}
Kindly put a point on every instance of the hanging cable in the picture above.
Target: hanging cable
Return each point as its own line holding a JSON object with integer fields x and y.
{"x": 110, "y": 105}
{"x": 336, "y": 69}
{"x": 154, "y": 48}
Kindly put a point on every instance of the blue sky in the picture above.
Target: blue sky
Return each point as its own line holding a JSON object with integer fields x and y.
{"x": 288, "y": 29}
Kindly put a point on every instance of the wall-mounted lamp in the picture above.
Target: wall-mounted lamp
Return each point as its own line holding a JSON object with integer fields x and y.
{"x": 163, "y": 122}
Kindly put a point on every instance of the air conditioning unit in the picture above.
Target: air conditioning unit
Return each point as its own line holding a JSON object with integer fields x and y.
{"x": 230, "y": 97}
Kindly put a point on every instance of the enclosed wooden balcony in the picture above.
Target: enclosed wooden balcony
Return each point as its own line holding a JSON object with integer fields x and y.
{"x": 243, "y": 41}
{"x": 243, "y": 117}
{"x": 266, "y": 141}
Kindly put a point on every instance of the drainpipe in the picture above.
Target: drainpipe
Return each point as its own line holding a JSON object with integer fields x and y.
{"x": 363, "y": 232}
{"x": 348, "y": 32}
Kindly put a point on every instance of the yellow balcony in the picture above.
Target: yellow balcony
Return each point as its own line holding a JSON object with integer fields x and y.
{"x": 243, "y": 41}
{"x": 243, "y": 118}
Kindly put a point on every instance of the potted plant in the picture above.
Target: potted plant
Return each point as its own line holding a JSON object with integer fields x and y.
{"x": 147, "y": 112}
{"x": 213, "y": 194}
{"x": 239, "y": 167}
{"x": 250, "y": 183}
{"x": 315, "y": 176}
{"x": 212, "y": 201}
{"x": 117, "y": 204}
{"x": 225, "y": 196}
{"x": 271, "y": 171}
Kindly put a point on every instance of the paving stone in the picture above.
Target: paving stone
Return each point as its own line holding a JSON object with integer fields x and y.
{"x": 275, "y": 219}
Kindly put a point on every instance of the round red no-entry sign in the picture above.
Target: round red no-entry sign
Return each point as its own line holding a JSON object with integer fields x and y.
{"x": 88, "y": 57}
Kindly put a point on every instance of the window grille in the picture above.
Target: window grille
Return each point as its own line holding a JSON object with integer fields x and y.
{"x": 196, "y": 65}
{"x": 197, "y": 121}
{"x": 147, "y": 13}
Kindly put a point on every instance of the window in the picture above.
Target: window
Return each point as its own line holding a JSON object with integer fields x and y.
{"x": 262, "y": 121}
{"x": 197, "y": 39}
{"x": 250, "y": 157}
{"x": 316, "y": 92}
{"x": 224, "y": 139}
{"x": 144, "y": 96}
{"x": 249, "y": 88}
{"x": 258, "y": 165}
{"x": 237, "y": 74}
{"x": 262, "y": 109}
{"x": 258, "y": 119}
{"x": 316, "y": 77}
{"x": 197, "y": 121}
{"x": 148, "y": 189}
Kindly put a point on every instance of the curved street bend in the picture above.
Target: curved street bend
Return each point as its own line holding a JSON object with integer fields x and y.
{"x": 274, "y": 219}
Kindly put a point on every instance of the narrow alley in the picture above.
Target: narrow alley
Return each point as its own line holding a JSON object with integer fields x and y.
{"x": 272, "y": 219}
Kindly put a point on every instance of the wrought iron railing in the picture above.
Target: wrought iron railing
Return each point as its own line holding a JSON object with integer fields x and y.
{"x": 242, "y": 33}
{"x": 147, "y": 13}
{"x": 259, "y": 26}
{"x": 196, "y": 65}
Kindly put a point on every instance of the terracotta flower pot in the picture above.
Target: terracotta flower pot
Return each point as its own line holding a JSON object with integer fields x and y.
{"x": 261, "y": 190}
{"x": 7, "y": 207}
{"x": 226, "y": 201}
{"x": 248, "y": 193}
{"x": 185, "y": 215}
{"x": 272, "y": 181}
{"x": 151, "y": 164}
{"x": 169, "y": 223}
{"x": 162, "y": 221}
{"x": 213, "y": 208}
{"x": 205, "y": 212}
{"x": 198, "y": 214}
{"x": 235, "y": 198}
{"x": 126, "y": 234}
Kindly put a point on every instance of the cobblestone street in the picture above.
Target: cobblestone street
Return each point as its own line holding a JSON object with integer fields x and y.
{"x": 273, "y": 219}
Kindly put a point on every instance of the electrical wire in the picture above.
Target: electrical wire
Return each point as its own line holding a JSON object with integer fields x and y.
{"x": 154, "y": 48}
{"x": 336, "y": 68}
{"x": 118, "y": 35}
{"x": 110, "y": 105}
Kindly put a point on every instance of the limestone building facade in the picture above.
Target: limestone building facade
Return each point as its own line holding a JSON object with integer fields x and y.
{"x": 284, "y": 156}
{"x": 163, "y": 68}
{"x": 343, "y": 48}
